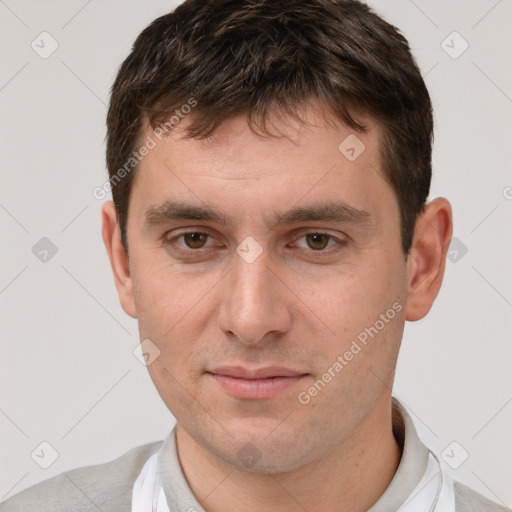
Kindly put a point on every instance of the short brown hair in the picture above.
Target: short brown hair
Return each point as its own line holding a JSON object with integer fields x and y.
{"x": 253, "y": 56}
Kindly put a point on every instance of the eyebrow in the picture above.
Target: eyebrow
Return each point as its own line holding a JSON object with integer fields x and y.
{"x": 325, "y": 211}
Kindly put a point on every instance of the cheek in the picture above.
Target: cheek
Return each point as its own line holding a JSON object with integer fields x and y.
{"x": 352, "y": 299}
{"x": 173, "y": 309}
{"x": 167, "y": 297}
{"x": 363, "y": 311}
{"x": 167, "y": 307}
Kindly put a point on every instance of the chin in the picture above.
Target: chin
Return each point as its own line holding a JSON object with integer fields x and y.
{"x": 259, "y": 447}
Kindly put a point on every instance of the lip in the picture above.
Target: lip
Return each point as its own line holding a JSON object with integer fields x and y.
{"x": 255, "y": 384}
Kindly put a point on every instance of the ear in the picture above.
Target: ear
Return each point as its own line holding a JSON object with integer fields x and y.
{"x": 427, "y": 258}
{"x": 118, "y": 258}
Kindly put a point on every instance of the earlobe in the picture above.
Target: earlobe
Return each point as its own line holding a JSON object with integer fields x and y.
{"x": 118, "y": 258}
{"x": 427, "y": 258}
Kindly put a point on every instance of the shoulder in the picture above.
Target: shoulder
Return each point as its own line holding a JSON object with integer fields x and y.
{"x": 467, "y": 500}
{"x": 106, "y": 487}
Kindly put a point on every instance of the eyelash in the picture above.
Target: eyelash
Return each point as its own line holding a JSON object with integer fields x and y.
{"x": 321, "y": 252}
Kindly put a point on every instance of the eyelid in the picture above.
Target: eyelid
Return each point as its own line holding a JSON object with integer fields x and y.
{"x": 340, "y": 241}
{"x": 172, "y": 238}
{"x": 318, "y": 231}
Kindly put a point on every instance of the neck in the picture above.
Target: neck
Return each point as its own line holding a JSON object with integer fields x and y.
{"x": 351, "y": 477}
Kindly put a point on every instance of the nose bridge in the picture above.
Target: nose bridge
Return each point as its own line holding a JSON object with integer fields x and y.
{"x": 254, "y": 302}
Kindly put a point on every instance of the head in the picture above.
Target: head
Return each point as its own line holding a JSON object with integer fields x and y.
{"x": 270, "y": 165}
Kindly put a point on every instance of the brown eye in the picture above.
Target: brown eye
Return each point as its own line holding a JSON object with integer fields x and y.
{"x": 195, "y": 240}
{"x": 322, "y": 243}
{"x": 317, "y": 241}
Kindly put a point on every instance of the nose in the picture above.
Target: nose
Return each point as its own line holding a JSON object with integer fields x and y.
{"x": 256, "y": 305}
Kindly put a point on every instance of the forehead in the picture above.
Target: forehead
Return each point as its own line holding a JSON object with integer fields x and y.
{"x": 287, "y": 144}
{"x": 236, "y": 168}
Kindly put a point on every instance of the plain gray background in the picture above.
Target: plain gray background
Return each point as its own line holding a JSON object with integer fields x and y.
{"x": 68, "y": 375}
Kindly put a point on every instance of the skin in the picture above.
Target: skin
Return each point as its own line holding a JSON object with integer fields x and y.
{"x": 295, "y": 306}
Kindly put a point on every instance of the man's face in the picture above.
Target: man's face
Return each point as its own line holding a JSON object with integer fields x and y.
{"x": 288, "y": 300}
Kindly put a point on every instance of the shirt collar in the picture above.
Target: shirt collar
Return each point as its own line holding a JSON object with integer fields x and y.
{"x": 413, "y": 464}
